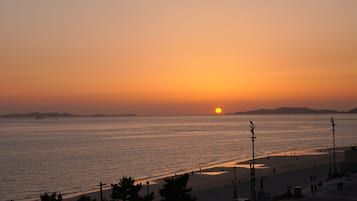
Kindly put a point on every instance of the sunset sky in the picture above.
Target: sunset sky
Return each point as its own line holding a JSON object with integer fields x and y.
{"x": 176, "y": 57}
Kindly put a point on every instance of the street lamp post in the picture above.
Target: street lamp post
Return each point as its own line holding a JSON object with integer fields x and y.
{"x": 147, "y": 188}
{"x": 329, "y": 164}
{"x": 235, "y": 194}
{"x": 334, "y": 146}
{"x": 252, "y": 170}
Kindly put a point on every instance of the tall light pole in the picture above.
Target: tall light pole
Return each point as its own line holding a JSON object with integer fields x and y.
{"x": 329, "y": 164}
{"x": 252, "y": 170}
{"x": 334, "y": 146}
{"x": 235, "y": 194}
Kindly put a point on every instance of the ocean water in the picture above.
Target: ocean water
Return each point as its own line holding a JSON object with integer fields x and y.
{"x": 70, "y": 155}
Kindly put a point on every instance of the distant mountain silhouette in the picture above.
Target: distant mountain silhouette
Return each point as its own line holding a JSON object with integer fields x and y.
{"x": 353, "y": 111}
{"x": 40, "y": 115}
{"x": 289, "y": 110}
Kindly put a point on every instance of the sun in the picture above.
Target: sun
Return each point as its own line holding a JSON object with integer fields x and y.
{"x": 218, "y": 110}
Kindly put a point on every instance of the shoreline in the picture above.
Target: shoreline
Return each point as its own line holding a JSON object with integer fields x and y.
{"x": 198, "y": 186}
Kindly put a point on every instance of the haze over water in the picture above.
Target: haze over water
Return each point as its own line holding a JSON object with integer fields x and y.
{"x": 70, "y": 155}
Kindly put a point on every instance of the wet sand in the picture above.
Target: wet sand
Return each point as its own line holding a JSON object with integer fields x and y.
{"x": 278, "y": 171}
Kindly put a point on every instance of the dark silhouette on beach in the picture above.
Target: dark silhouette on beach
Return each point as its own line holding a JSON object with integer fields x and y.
{"x": 127, "y": 190}
{"x": 85, "y": 198}
{"x": 52, "y": 197}
{"x": 175, "y": 189}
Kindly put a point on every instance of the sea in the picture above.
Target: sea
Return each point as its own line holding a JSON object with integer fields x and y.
{"x": 73, "y": 154}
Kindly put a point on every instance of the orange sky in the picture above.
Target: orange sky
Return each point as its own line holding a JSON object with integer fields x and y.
{"x": 176, "y": 57}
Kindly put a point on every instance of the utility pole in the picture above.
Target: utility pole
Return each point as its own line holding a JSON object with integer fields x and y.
{"x": 101, "y": 190}
{"x": 235, "y": 194}
{"x": 334, "y": 146}
{"x": 252, "y": 170}
{"x": 329, "y": 164}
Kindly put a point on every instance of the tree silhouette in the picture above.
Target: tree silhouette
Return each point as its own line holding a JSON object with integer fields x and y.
{"x": 126, "y": 190}
{"x": 52, "y": 197}
{"x": 175, "y": 189}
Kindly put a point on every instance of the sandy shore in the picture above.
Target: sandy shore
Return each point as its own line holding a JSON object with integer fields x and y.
{"x": 278, "y": 171}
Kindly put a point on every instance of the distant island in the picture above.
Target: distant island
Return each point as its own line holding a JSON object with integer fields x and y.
{"x": 293, "y": 110}
{"x": 41, "y": 115}
{"x": 353, "y": 111}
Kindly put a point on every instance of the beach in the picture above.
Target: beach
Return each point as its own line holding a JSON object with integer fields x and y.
{"x": 277, "y": 171}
